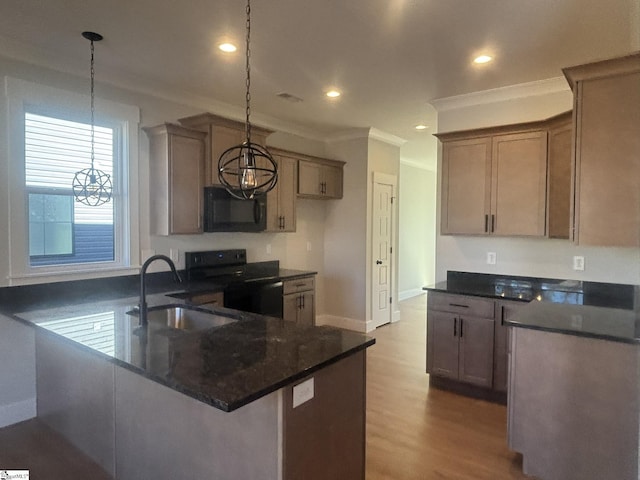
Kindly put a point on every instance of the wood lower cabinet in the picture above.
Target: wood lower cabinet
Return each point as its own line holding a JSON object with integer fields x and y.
{"x": 460, "y": 338}
{"x": 298, "y": 301}
{"x": 320, "y": 178}
{"x": 281, "y": 201}
{"x": 176, "y": 174}
{"x": 606, "y": 206}
{"x": 222, "y": 134}
{"x": 504, "y": 311}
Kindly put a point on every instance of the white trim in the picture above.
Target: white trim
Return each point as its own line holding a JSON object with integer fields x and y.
{"x": 350, "y": 134}
{"x": 405, "y": 294}
{"x": 395, "y": 316}
{"x": 17, "y": 412}
{"x": 385, "y": 137}
{"x": 20, "y": 94}
{"x": 344, "y": 322}
{"x": 529, "y": 89}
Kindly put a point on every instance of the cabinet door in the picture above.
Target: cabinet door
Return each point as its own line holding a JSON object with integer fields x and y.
{"x": 442, "y": 344}
{"x": 607, "y": 177}
{"x": 186, "y": 158}
{"x": 221, "y": 139}
{"x": 281, "y": 201}
{"x": 559, "y": 181}
{"x": 504, "y": 311}
{"x": 476, "y": 350}
{"x": 306, "y": 315}
{"x": 519, "y": 184}
{"x": 290, "y": 307}
{"x": 332, "y": 181}
{"x": 466, "y": 183}
{"x": 309, "y": 178}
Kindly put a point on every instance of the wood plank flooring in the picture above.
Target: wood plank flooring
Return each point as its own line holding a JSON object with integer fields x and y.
{"x": 417, "y": 433}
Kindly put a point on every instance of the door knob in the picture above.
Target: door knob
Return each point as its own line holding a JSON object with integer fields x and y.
{"x": 378, "y": 262}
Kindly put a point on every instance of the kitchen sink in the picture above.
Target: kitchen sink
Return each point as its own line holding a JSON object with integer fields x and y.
{"x": 184, "y": 317}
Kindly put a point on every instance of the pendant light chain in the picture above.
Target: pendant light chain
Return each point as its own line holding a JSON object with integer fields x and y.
{"x": 93, "y": 109}
{"x": 248, "y": 68}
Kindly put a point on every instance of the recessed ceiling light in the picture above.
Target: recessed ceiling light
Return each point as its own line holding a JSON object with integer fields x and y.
{"x": 421, "y": 127}
{"x": 227, "y": 47}
{"x": 333, "y": 94}
{"x": 482, "y": 59}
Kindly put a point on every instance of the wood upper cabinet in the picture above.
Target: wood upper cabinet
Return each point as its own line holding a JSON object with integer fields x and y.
{"x": 319, "y": 178}
{"x": 466, "y": 186}
{"x": 281, "y": 201}
{"x": 494, "y": 182}
{"x": 176, "y": 175}
{"x": 559, "y": 176}
{"x": 222, "y": 134}
{"x": 606, "y": 208}
{"x": 519, "y": 184}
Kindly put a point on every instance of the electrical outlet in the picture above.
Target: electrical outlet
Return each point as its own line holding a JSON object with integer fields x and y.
{"x": 491, "y": 258}
{"x": 268, "y": 249}
{"x": 578, "y": 262}
{"x": 303, "y": 392}
{"x": 308, "y": 246}
{"x": 174, "y": 254}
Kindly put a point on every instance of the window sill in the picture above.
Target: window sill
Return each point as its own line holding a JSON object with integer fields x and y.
{"x": 48, "y": 277}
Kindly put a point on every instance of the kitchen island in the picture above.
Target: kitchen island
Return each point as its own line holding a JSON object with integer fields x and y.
{"x": 567, "y": 353}
{"x": 250, "y": 397}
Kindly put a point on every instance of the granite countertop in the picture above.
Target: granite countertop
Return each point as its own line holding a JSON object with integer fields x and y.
{"x": 605, "y": 311}
{"x": 226, "y": 366}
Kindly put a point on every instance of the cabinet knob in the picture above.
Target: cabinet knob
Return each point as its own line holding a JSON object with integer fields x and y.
{"x": 378, "y": 262}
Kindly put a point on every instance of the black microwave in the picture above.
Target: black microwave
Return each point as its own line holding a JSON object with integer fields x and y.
{"x": 225, "y": 213}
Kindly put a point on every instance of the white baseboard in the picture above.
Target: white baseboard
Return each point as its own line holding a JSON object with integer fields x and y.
{"x": 17, "y": 412}
{"x": 414, "y": 292}
{"x": 344, "y": 322}
{"x": 395, "y": 316}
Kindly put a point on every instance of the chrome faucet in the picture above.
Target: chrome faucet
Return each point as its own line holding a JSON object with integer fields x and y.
{"x": 143, "y": 293}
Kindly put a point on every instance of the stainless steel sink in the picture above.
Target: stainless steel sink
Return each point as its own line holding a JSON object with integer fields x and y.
{"x": 184, "y": 318}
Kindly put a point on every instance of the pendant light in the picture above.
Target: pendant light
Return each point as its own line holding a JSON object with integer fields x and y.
{"x": 247, "y": 170}
{"x": 91, "y": 186}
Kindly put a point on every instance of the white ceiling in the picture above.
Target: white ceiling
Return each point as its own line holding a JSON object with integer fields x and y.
{"x": 389, "y": 57}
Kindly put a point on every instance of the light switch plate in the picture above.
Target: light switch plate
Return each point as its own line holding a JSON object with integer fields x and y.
{"x": 578, "y": 262}
{"x": 303, "y": 392}
{"x": 491, "y": 258}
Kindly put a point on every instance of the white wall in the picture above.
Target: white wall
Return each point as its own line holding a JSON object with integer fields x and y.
{"x": 417, "y": 237}
{"x": 521, "y": 256}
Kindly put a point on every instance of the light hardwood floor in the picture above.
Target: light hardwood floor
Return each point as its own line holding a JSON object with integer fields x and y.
{"x": 418, "y": 433}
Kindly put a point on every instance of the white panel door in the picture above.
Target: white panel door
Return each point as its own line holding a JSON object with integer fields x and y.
{"x": 381, "y": 253}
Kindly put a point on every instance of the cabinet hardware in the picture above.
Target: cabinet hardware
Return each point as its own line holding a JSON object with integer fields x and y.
{"x": 461, "y": 325}
{"x": 302, "y": 297}
{"x": 455, "y": 327}
{"x": 458, "y": 305}
{"x": 486, "y": 223}
{"x": 378, "y": 262}
{"x": 493, "y": 223}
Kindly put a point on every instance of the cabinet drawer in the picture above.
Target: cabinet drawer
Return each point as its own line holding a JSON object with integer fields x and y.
{"x": 215, "y": 298}
{"x": 298, "y": 285}
{"x": 445, "y": 302}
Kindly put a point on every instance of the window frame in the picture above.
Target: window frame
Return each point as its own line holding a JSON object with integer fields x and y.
{"x": 24, "y": 96}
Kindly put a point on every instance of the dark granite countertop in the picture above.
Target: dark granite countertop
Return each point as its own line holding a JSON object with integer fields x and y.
{"x": 226, "y": 366}
{"x": 606, "y": 311}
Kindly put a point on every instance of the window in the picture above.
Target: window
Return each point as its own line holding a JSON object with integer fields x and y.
{"x": 61, "y": 230}
{"x": 49, "y": 141}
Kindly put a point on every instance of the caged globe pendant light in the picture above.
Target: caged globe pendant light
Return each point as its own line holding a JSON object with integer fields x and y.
{"x": 91, "y": 186}
{"x": 247, "y": 170}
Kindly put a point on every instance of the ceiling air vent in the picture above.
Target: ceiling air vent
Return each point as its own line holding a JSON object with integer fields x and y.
{"x": 289, "y": 98}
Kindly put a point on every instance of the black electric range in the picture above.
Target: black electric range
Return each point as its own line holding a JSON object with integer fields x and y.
{"x": 250, "y": 287}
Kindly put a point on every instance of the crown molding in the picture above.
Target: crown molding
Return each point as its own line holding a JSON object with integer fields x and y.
{"x": 416, "y": 164}
{"x": 529, "y": 89}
